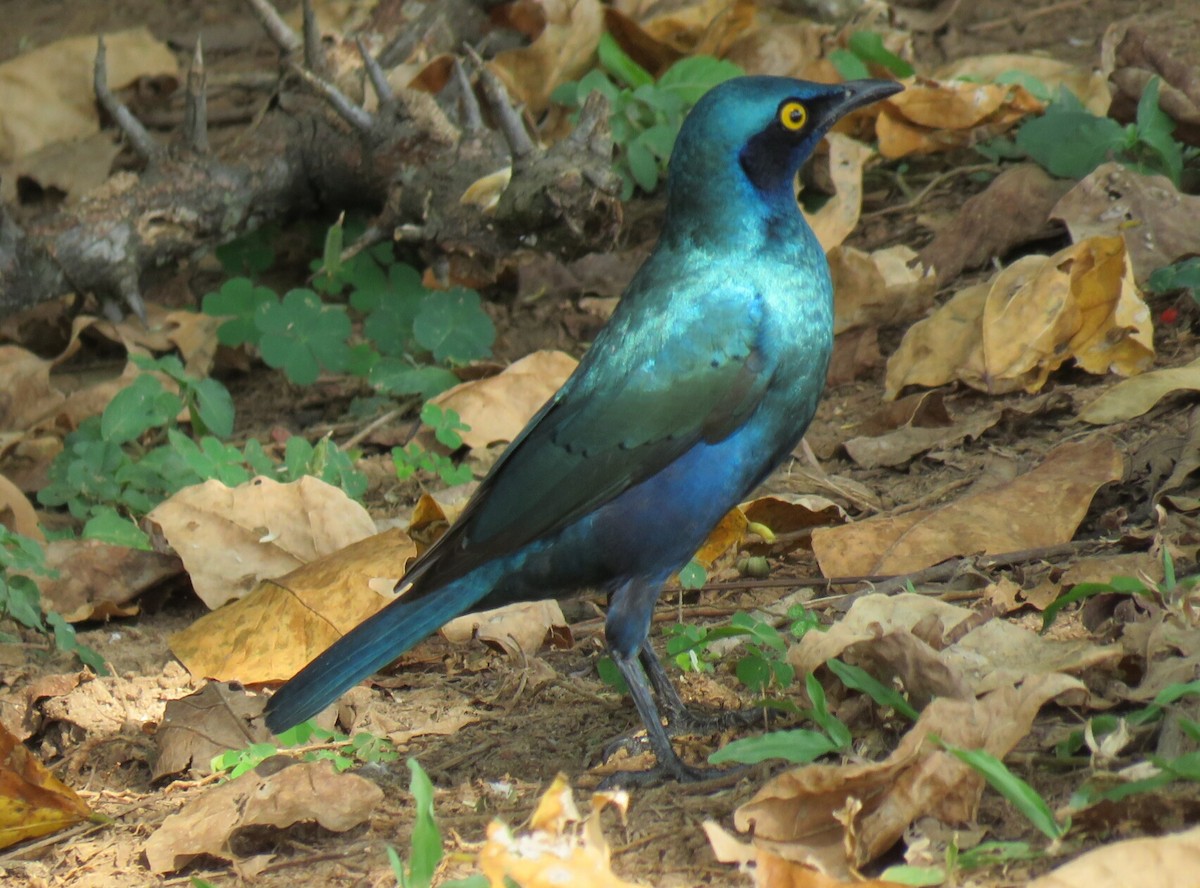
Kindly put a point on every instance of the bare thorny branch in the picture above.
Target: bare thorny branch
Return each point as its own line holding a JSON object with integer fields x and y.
{"x": 408, "y": 163}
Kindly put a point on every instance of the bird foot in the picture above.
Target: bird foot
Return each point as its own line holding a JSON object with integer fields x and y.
{"x": 683, "y": 722}
{"x": 673, "y": 769}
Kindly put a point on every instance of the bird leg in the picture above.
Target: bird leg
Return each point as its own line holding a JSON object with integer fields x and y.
{"x": 669, "y": 764}
{"x": 679, "y": 718}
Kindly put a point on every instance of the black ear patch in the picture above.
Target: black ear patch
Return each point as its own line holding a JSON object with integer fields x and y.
{"x": 766, "y": 158}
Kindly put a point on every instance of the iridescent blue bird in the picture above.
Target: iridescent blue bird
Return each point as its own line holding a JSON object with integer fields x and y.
{"x": 704, "y": 379}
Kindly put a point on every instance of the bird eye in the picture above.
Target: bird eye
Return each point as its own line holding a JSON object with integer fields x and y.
{"x": 792, "y": 115}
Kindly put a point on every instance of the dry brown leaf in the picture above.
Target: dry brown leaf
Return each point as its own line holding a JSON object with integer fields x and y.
{"x": 46, "y": 94}
{"x": 931, "y": 116}
{"x": 1157, "y": 222}
{"x": 934, "y": 428}
{"x": 562, "y": 848}
{"x": 781, "y": 45}
{"x": 230, "y": 538}
{"x": 770, "y": 870}
{"x": 991, "y": 521}
{"x": 72, "y": 168}
{"x": 1088, "y": 85}
{"x": 28, "y": 393}
{"x": 562, "y": 52}
{"x": 498, "y": 407}
{"x": 1033, "y": 316}
{"x": 204, "y": 724}
{"x": 1163, "y": 45}
{"x": 1013, "y": 210}
{"x": 938, "y": 651}
{"x": 837, "y": 818}
{"x": 17, "y": 513}
{"x": 311, "y": 792}
{"x": 97, "y": 581}
{"x": 1097, "y": 569}
{"x": 1133, "y": 397}
{"x": 518, "y": 629}
{"x": 280, "y": 626}
{"x": 785, "y": 513}
{"x": 1165, "y": 861}
{"x": 838, "y": 216}
{"x": 872, "y": 289}
{"x": 33, "y": 802}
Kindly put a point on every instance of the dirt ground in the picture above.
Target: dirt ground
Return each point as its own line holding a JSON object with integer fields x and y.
{"x": 529, "y": 724}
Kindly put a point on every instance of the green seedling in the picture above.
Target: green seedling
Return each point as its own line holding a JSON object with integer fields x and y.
{"x": 645, "y": 114}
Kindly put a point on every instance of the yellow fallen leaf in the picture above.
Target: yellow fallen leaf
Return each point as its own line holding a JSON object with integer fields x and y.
{"x": 931, "y": 116}
{"x": 1088, "y": 84}
{"x": 562, "y": 51}
{"x": 872, "y": 289}
{"x": 498, "y": 407}
{"x": 1150, "y": 860}
{"x": 231, "y": 537}
{"x": 1133, "y": 397}
{"x": 281, "y": 625}
{"x": 993, "y": 521}
{"x": 838, "y": 216}
{"x": 33, "y": 802}
{"x": 1032, "y": 317}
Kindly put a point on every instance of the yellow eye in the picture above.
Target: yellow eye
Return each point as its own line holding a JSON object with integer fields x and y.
{"x": 792, "y": 115}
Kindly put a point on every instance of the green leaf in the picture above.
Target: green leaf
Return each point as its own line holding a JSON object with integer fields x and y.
{"x": 240, "y": 299}
{"x": 860, "y": 680}
{"x": 918, "y": 876}
{"x": 848, "y": 65}
{"x": 611, "y": 675}
{"x": 251, "y": 253}
{"x": 107, "y": 526}
{"x": 1070, "y": 144}
{"x": 390, "y": 323}
{"x": 426, "y": 839}
{"x": 1032, "y": 84}
{"x": 642, "y": 165}
{"x": 66, "y": 640}
{"x": 302, "y": 335}
{"x": 214, "y": 407}
{"x": 693, "y": 76}
{"x": 693, "y": 575}
{"x": 454, "y": 327}
{"x": 868, "y": 46}
{"x": 399, "y": 377}
{"x": 137, "y": 408}
{"x": 829, "y": 723}
{"x": 620, "y": 65}
{"x": 1022, "y": 796}
{"x": 799, "y": 747}
{"x": 22, "y": 601}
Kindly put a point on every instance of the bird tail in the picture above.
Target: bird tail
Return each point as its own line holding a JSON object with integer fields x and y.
{"x": 369, "y": 647}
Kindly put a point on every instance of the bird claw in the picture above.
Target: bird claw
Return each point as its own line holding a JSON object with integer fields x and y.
{"x": 683, "y": 722}
{"x": 672, "y": 769}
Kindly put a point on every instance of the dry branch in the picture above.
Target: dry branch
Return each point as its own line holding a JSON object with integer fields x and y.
{"x": 316, "y": 150}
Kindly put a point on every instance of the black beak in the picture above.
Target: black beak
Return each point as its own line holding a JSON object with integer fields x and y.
{"x": 865, "y": 92}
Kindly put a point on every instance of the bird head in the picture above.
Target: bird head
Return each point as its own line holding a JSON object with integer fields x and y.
{"x": 750, "y": 135}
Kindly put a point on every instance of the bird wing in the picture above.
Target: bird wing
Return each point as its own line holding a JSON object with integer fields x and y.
{"x": 643, "y": 396}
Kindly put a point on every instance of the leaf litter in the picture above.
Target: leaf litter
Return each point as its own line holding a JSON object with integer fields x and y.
{"x": 962, "y": 474}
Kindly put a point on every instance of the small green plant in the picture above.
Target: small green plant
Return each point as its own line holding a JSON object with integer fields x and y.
{"x": 309, "y": 743}
{"x": 866, "y": 48}
{"x": 447, "y": 426}
{"x": 22, "y": 558}
{"x": 425, "y": 845}
{"x": 411, "y": 336}
{"x": 1182, "y": 276}
{"x": 798, "y": 746}
{"x": 118, "y": 466}
{"x": 985, "y": 854}
{"x": 1020, "y": 794}
{"x": 1168, "y": 594}
{"x": 645, "y": 113}
{"x": 1069, "y": 141}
